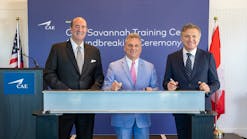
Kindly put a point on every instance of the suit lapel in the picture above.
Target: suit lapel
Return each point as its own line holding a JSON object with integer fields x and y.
{"x": 196, "y": 63}
{"x": 71, "y": 55}
{"x": 181, "y": 63}
{"x": 141, "y": 72}
{"x": 126, "y": 69}
{"x": 86, "y": 58}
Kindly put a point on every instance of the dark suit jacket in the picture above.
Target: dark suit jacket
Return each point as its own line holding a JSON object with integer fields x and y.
{"x": 204, "y": 70}
{"x": 61, "y": 70}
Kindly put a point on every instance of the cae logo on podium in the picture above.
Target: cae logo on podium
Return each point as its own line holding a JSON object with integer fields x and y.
{"x": 18, "y": 83}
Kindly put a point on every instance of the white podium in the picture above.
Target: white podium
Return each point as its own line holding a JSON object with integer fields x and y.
{"x": 59, "y": 102}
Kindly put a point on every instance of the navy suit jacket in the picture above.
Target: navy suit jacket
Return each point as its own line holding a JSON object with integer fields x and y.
{"x": 62, "y": 73}
{"x": 204, "y": 70}
{"x": 146, "y": 77}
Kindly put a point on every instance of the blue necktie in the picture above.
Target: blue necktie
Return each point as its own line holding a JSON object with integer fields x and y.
{"x": 188, "y": 66}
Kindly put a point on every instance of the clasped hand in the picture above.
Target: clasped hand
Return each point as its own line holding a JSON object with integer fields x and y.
{"x": 116, "y": 86}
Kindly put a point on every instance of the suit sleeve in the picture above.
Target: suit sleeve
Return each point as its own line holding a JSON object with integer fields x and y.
{"x": 168, "y": 73}
{"x": 213, "y": 80}
{"x": 50, "y": 74}
{"x": 109, "y": 79}
{"x": 154, "y": 80}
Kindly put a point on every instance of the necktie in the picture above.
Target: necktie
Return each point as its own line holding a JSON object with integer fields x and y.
{"x": 133, "y": 72}
{"x": 79, "y": 58}
{"x": 188, "y": 66}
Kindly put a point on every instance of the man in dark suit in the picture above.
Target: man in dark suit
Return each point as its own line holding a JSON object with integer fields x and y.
{"x": 193, "y": 71}
{"x": 75, "y": 65}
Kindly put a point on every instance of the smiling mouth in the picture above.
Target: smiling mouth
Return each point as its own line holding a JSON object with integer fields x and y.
{"x": 79, "y": 33}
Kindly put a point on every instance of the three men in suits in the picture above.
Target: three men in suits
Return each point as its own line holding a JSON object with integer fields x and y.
{"x": 64, "y": 70}
{"x": 131, "y": 73}
{"x": 193, "y": 71}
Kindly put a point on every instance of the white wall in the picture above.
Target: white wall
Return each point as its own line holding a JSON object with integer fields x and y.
{"x": 233, "y": 30}
{"x": 9, "y": 10}
{"x": 232, "y": 16}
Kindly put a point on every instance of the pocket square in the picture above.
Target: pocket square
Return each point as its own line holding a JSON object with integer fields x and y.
{"x": 92, "y": 61}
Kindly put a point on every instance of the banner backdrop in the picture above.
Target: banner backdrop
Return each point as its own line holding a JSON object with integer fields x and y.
{"x": 110, "y": 21}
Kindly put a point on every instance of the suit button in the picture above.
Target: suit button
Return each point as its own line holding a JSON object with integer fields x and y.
{"x": 80, "y": 83}
{"x": 190, "y": 85}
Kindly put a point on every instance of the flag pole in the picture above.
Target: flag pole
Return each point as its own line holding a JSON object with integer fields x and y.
{"x": 18, "y": 42}
{"x": 215, "y": 96}
{"x": 217, "y": 132}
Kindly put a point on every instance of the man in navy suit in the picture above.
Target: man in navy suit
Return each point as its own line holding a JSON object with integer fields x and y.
{"x": 64, "y": 72}
{"x": 199, "y": 74}
{"x": 122, "y": 75}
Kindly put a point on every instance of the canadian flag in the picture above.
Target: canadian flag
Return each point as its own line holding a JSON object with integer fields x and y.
{"x": 218, "y": 98}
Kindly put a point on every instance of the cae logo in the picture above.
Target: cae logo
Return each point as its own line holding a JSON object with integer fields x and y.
{"x": 19, "y": 84}
{"x": 47, "y": 25}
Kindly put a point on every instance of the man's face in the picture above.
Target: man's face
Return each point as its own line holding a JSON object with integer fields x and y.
{"x": 190, "y": 38}
{"x": 133, "y": 48}
{"x": 79, "y": 29}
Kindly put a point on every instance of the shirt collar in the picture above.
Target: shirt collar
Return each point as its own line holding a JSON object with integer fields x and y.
{"x": 129, "y": 61}
{"x": 193, "y": 52}
{"x": 74, "y": 45}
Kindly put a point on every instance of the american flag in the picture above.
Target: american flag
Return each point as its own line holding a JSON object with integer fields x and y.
{"x": 16, "y": 60}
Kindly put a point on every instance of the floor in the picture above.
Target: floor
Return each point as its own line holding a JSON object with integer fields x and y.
{"x": 226, "y": 136}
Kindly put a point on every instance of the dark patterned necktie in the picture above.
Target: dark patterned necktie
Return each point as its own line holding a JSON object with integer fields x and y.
{"x": 188, "y": 66}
